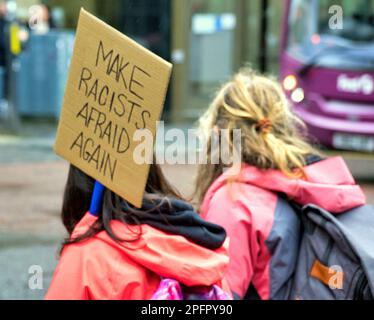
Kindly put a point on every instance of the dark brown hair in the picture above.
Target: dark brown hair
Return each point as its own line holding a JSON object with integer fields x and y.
{"x": 77, "y": 199}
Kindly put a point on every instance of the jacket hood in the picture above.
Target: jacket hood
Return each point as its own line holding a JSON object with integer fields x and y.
{"x": 329, "y": 184}
{"x": 167, "y": 255}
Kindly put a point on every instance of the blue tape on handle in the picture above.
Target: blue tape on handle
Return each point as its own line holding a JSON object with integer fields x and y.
{"x": 97, "y": 198}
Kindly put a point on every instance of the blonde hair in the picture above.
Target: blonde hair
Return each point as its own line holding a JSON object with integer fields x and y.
{"x": 272, "y": 136}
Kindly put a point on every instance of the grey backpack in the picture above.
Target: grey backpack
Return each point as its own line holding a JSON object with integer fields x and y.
{"x": 336, "y": 255}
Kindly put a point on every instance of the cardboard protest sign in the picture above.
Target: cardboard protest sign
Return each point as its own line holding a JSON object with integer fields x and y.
{"x": 115, "y": 86}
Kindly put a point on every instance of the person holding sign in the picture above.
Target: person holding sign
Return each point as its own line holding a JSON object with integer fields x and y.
{"x": 124, "y": 246}
{"x": 123, "y": 252}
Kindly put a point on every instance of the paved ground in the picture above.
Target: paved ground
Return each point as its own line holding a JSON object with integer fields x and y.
{"x": 30, "y": 230}
{"x": 31, "y": 185}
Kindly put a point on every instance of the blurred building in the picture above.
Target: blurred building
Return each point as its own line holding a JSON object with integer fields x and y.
{"x": 206, "y": 40}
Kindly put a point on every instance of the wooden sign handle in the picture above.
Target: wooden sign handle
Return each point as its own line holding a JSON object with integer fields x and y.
{"x": 97, "y": 199}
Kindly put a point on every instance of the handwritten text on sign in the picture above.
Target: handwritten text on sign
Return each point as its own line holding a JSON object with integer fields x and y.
{"x": 115, "y": 87}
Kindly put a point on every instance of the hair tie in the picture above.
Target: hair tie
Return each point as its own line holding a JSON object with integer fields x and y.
{"x": 264, "y": 126}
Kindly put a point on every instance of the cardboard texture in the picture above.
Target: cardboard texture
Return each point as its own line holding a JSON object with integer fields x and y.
{"x": 115, "y": 86}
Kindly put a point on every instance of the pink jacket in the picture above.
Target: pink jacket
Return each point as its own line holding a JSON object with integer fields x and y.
{"x": 248, "y": 207}
{"x": 101, "y": 268}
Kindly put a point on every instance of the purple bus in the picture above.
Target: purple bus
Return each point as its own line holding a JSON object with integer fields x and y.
{"x": 327, "y": 69}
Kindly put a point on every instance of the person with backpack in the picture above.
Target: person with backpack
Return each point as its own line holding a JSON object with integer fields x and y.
{"x": 163, "y": 250}
{"x": 260, "y": 207}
